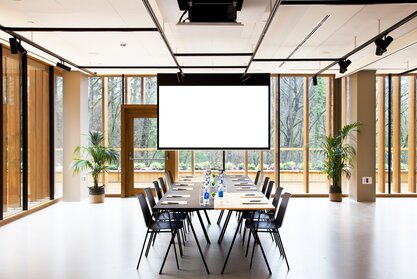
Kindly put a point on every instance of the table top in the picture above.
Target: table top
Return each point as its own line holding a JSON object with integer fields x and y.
{"x": 240, "y": 194}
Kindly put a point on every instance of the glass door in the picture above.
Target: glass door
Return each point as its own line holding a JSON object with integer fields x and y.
{"x": 142, "y": 163}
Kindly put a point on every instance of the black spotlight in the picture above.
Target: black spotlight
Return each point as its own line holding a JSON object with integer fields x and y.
{"x": 180, "y": 77}
{"x": 315, "y": 81}
{"x": 382, "y": 43}
{"x": 344, "y": 64}
{"x": 63, "y": 66}
{"x": 21, "y": 49}
{"x": 13, "y": 45}
{"x": 245, "y": 77}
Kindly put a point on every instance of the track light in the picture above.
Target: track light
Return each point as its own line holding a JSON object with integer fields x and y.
{"x": 344, "y": 64}
{"x": 63, "y": 66}
{"x": 180, "y": 76}
{"x": 382, "y": 43}
{"x": 21, "y": 49}
{"x": 315, "y": 81}
{"x": 245, "y": 77}
{"x": 13, "y": 45}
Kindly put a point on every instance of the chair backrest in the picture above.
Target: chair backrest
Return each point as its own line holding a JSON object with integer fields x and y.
{"x": 168, "y": 180}
{"x": 145, "y": 209}
{"x": 282, "y": 209}
{"x": 163, "y": 186}
{"x": 151, "y": 199}
{"x": 171, "y": 178}
{"x": 258, "y": 173}
{"x": 269, "y": 189}
{"x": 157, "y": 189}
{"x": 277, "y": 196}
{"x": 265, "y": 184}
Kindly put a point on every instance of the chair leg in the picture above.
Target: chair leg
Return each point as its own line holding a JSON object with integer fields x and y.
{"x": 253, "y": 252}
{"x": 154, "y": 237}
{"x": 223, "y": 232}
{"x": 143, "y": 247}
{"x": 207, "y": 217}
{"x": 256, "y": 239}
{"x": 149, "y": 243}
{"x": 220, "y": 217}
{"x": 247, "y": 247}
{"x": 180, "y": 244}
{"x": 244, "y": 235}
{"x": 166, "y": 254}
{"x": 175, "y": 250}
{"x": 283, "y": 250}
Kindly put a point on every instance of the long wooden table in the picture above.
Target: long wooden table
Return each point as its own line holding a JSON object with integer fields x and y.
{"x": 240, "y": 195}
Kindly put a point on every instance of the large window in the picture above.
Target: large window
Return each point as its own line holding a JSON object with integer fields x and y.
{"x": 12, "y": 187}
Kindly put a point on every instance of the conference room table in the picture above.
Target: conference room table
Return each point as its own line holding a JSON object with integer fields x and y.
{"x": 240, "y": 194}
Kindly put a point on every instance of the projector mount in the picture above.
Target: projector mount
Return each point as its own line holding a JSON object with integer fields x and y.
{"x": 210, "y": 11}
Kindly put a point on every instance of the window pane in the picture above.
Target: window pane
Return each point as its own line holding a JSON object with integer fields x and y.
{"x": 114, "y": 113}
{"x": 291, "y": 133}
{"x": 235, "y": 162}
{"x": 184, "y": 160}
{"x": 150, "y": 90}
{"x": 404, "y": 133}
{"x": 208, "y": 159}
{"x": 135, "y": 90}
{"x": 253, "y": 163}
{"x": 317, "y": 131}
{"x": 59, "y": 106}
{"x": 95, "y": 99}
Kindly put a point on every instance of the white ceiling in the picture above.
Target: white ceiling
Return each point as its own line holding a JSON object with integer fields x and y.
{"x": 290, "y": 26}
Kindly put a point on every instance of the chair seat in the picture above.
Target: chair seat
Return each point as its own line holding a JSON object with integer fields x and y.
{"x": 258, "y": 215}
{"x": 261, "y": 225}
{"x": 165, "y": 216}
{"x": 160, "y": 225}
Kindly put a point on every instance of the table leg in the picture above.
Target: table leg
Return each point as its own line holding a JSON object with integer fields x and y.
{"x": 202, "y": 226}
{"x": 233, "y": 241}
{"x": 198, "y": 244}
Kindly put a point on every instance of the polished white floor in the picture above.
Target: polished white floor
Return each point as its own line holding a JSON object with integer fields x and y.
{"x": 322, "y": 239}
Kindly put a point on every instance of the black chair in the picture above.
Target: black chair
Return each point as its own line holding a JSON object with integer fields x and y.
{"x": 163, "y": 185}
{"x": 157, "y": 189}
{"x": 265, "y": 185}
{"x": 155, "y": 226}
{"x": 269, "y": 189}
{"x": 268, "y": 226}
{"x": 258, "y": 174}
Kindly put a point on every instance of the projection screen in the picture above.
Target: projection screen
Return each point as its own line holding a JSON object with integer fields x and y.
{"x": 213, "y": 111}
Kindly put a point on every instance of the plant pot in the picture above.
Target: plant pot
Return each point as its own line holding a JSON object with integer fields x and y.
{"x": 335, "y": 194}
{"x": 96, "y": 195}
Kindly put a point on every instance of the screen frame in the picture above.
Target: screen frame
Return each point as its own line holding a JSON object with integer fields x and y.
{"x": 262, "y": 79}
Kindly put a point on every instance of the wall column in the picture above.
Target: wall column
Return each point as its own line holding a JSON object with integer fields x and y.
{"x": 361, "y": 105}
{"x": 75, "y": 129}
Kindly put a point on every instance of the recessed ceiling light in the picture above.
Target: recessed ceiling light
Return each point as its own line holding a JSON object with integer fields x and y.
{"x": 30, "y": 21}
{"x": 93, "y": 53}
{"x": 123, "y": 44}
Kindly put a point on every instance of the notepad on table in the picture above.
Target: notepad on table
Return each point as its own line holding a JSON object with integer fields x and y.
{"x": 178, "y": 196}
{"x": 240, "y": 179}
{"x": 246, "y": 188}
{"x": 182, "y": 189}
{"x": 173, "y": 202}
{"x": 184, "y": 184}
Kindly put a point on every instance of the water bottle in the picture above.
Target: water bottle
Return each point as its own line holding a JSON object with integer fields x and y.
{"x": 220, "y": 189}
{"x": 206, "y": 195}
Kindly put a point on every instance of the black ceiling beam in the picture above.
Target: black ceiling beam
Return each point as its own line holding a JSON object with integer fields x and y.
{"x": 41, "y": 48}
{"x": 408, "y": 71}
{"x": 342, "y": 2}
{"x": 266, "y": 27}
{"x": 160, "y": 67}
{"x": 215, "y": 54}
{"x": 76, "y": 29}
{"x": 294, "y": 59}
{"x": 372, "y": 40}
{"x": 161, "y": 32}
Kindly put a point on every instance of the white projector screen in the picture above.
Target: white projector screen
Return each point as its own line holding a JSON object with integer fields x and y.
{"x": 213, "y": 117}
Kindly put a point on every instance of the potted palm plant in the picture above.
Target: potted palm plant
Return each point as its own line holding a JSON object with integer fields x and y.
{"x": 96, "y": 159}
{"x": 337, "y": 159}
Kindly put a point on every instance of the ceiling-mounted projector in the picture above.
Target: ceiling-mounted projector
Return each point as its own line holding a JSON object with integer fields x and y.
{"x": 210, "y": 11}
